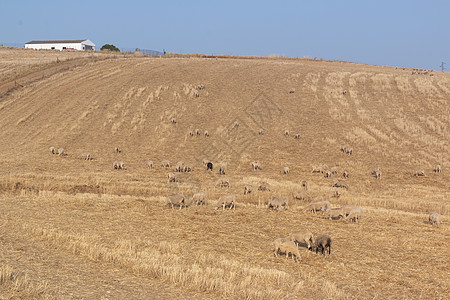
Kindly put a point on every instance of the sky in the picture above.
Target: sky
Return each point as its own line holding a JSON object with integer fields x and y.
{"x": 382, "y": 32}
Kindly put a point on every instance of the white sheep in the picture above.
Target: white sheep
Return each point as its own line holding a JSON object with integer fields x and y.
{"x": 263, "y": 186}
{"x": 287, "y": 247}
{"x": 256, "y": 165}
{"x": 61, "y": 152}
{"x": 228, "y": 200}
{"x": 172, "y": 177}
{"x": 199, "y": 198}
{"x": 434, "y": 218}
{"x": 285, "y": 170}
{"x": 52, "y": 150}
{"x": 150, "y": 164}
{"x": 177, "y": 200}
{"x": 303, "y": 236}
{"x": 248, "y": 189}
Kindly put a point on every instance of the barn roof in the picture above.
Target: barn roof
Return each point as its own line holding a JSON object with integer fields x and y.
{"x": 57, "y": 42}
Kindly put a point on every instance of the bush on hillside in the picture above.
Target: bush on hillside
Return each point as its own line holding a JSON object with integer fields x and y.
{"x": 109, "y": 47}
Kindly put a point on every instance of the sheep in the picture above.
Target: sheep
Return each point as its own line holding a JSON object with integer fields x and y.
{"x": 303, "y": 236}
{"x": 116, "y": 165}
{"x": 197, "y": 132}
{"x": 285, "y": 170}
{"x": 346, "y": 174}
{"x": 349, "y": 151}
{"x": 248, "y": 189}
{"x": 286, "y": 132}
{"x": 85, "y": 156}
{"x": 278, "y": 203}
{"x": 336, "y": 192}
{"x": 236, "y": 124}
{"x": 434, "y": 218}
{"x": 61, "y": 152}
{"x": 179, "y": 167}
{"x": 256, "y": 165}
{"x": 344, "y": 92}
{"x": 285, "y": 246}
{"x": 261, "y": 131}
{"x": 340, "y": 184}
{"x": 263, "y": 186}
{"x": 206, "y": 133}
{"x": 437, "y": 169}
{"x": 327, "y": 173}
{"x": 117, "y": 149}
{"x": 205, "y": 161}
{"x": 297, "y": 136}
{"x": 52, "y": 150}
{"x": 209, "y": 166}
{"x": 121, "y": 165}
{"x": 188, "y": 168}
{"x": 334, "y": 170}
{"x": 300, "y": 195}
{"x": 176, "y": 200}
{"x": 344, "y": 148}
{"x": 316, "y": 169}
{"x": 191, "y": 133}
{"x": 196, "y": 94}
{"x": 228, "y": 200}
{"x": 347, "y": 209}
{"x": 150, "y": 164}
{"x": 317, "y": 206}
{"x": 201, "y": 86}
{"x": 223, "y": 182}
{"x": 354, "y": 214}
{"x": 419, "y": 172}
{"x": 172, "y": 177}
{"x": 277, "y": 243}
{"x": 173, "y": 121}
{"x": 377, "y": 172}
{"x": 323, "y": 242}
{"x": 305, "y": 185}
{"x": 291, "y": 91}
{"x": 334, "y": 213}
{"x": 166, "y": 164}
{"x": 199, "y": 198}
{"x": 221, "y": 170}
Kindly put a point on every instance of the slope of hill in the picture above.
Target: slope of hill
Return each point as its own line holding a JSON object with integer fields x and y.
{"x": 391, "y": 118}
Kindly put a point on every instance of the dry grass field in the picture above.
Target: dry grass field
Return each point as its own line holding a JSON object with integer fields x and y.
{"x": 77, "y": 229}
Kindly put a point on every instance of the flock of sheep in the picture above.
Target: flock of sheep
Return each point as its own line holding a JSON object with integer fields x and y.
{"x": 287, "y": 245}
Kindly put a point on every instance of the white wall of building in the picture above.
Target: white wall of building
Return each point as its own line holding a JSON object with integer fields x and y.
{"x": 85, "y": 45}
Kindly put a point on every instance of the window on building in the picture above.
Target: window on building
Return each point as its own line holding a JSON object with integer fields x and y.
{"x": 53, "y": 48}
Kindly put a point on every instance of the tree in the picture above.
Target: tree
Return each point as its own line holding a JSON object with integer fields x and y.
{"x": 109, "y": 47}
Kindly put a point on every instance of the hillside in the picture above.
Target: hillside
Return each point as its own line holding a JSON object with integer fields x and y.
{"x": 392, "y": 119}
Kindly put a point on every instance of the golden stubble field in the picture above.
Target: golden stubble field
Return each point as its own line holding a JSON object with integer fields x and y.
{"x": 75, "y": 229}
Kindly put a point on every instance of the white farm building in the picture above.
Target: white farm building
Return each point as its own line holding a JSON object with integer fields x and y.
{"x": 61, "y": 45}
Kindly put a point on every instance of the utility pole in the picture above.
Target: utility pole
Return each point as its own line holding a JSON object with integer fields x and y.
{"x": 442, "y": 66}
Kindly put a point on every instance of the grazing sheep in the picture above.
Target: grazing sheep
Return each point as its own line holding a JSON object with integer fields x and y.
{"x": 287, "y": 247}
{"x": 322, "y": 243}
{"x": 121, "y": 165}
{"x": 248, "y": 189}
{"x": 116, "y": 165}
{"x": 349, "y": 151}
{"x": 206, "y": 133}
{"x": 85, "y": 156}
{"x": 347, "y": 209}
{"x": 317, "y": 169}
{"x": 317, "y": 206}
{"x": 197, "y": 132}
{"x": 277, "y": 243}
{"x": 297, "y": 136}
{"x": 340, "y": 184}
{"x": 285, "y": 170}
{"x": 261, "y": 131}
{"x": 223, "y": 182}
{"x": 346, "y": 174}
{"x": 188, "y": 168}
{"x": 305, "y": 185}
{"x": 292, "y": 91}
{"x": 205, "y": 161}
{"x": 177, "y": 200}
{"x": 301, "y": 195}
{"x": 419, "y": 172}
{"x": 172, "y": 177}
{"x": 52, "y": 150}
{"x": 228, "y": 200}
{"x": 256, "y": 165}
{"x": 334, "y": 170}
{"x": 344, "y": 148}
{"x": 334, "y": 213}
{"x": 221, "y": 170}
{"x": 344, "y": 92}
{"x": 327, "y": 173}
{"x": 191, "y": 133}
{"x": 286, "y": 132}
{"x": 263, "y": 186}
{"x": 173, "y": 121}
{"x": 377, "y": 172}
{"x": 196, "y": 94}
{"x": 199, "y": 198}
{"x": 166, "y": 164}
{"x": 236, "y": 124}
{"x": 150, "y": 164}
{"x": 61, "y": 152}
{"x": 434, "y": 218}
{"x": 354, "y": 215}
{"x": 201, "y": 86}
{"x": 303, "y": 236}
{"x": 179, "y": 167}
{"x": 438, "y": 169}
{"x": 117, "y": 149}
{"x": 278, "y": 203}
{"x": 336, "y": 192}
{"x": 209, "y": 166}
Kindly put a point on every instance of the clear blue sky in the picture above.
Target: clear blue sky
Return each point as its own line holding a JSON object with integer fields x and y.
{"x": 400, "y": 33}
